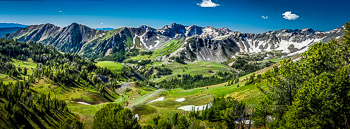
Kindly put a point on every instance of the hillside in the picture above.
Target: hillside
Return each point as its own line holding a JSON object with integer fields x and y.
{"x": 20, "y": 107}
{"x": 38, "y": 81}
{"x": 84, "y": 84}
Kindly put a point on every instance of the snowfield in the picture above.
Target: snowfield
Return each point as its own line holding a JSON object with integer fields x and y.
{"x": 194, "y": 108}
{"x": 180, "y": 100}
{"x": 159, "y": 99}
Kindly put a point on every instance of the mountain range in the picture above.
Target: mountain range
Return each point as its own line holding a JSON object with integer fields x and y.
{"x": 6, "y": 28}
{"x": 189, "y": 42}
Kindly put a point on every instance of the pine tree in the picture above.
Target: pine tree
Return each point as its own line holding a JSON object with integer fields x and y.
{"x": 114, "y": 116}
{"x": 25, "y": 71}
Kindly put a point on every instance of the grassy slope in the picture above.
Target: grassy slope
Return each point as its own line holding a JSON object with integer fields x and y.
{"x": 6, "y": 79}
{"x": 139, "y": 96}
{"x": 194, "y": 68}
{"x": 113, "y": 66}
{"x": 87, "y": 112}
{"x": 165, "y": 50}
{"x": 199, "y": 96}
{"x": 249, "y": 94}
{"x": 43, "y": 85}
{"x": 30, "y": 65}
{"x": 70, "y": 95}
{"x": 168, "y": 48}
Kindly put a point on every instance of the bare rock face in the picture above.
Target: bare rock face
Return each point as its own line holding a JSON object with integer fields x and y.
{"x": 67, "y": 39}
{"x": 199, "y": 43}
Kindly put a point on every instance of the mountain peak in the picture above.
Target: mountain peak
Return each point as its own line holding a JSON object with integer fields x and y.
{"x": 77, "y": 26}
{"x": 173, "y": 26}
{"x": 193, "y": 26}
{"x": 173, "y": 29}
{"x": 144, "y": 27}
{"x": 48, "y": 24}
{"x": 74, "y": 23}
{"x": 194, "y": 30}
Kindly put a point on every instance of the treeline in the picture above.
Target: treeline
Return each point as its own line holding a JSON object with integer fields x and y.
{"x": 221, "y": 113}
{"x": 225, "y": 112}
{"x": 120, "y": 54}
{"x": 39, "y": 53}
{"x": 155, "y": 71}
{"x": 310, "y": 93}
{"x": 65, "y": 69}
{"x": 8, "y": 68}
{"x": 70, "y": 76}
{"x": 187, "y": 81}
{"x": 20, "y": 107}
{"x": 114, "y": 116}
{"x": 42, "y": 54}
{"x": 246, "y": 65}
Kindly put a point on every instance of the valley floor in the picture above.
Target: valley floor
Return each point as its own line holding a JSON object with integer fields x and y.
{"x": 86, "y": 102}
{"x": 140, "y": 105}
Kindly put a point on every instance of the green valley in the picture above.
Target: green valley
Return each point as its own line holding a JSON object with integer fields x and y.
{"x": 176, "y": 77}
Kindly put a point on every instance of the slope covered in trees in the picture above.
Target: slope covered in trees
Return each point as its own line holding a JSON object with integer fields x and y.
{"x": 67, "y": 70}
{"x": 188, "y": 81}
{"x": 221, "y": 113}
{"x": 312, "y": 92}
{"x": 114, "y": 116}
{"x": 20, "y": 107}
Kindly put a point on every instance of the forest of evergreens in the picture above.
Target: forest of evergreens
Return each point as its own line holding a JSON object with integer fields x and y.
{"x": 20, "y": 107}
{"x": 310, "y": 93}
{"x": 187, "y": 81}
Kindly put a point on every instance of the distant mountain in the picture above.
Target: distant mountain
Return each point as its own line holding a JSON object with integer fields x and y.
{"x": 10, "y": 28}
{"x": 67, "y": 39}
{"x": 105, "y": 29}
{"x": 4, "y": 31}
{"x": 8, "y": 25}
{"x": 192, "y": 42}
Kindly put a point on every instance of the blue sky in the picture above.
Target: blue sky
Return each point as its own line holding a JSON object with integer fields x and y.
{"x": 254, "y": 16}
